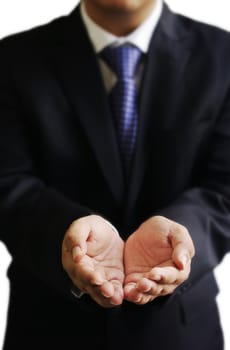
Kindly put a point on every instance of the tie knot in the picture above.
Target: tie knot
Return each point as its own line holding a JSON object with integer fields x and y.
{"x": 123, "y": 60}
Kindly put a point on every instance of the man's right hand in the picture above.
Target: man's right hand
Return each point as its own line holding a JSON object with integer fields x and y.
{"x": 92, "y": 256}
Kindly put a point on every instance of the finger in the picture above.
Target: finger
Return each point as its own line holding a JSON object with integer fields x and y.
{"x": 82, "y": 275}
{"x": 183, "y": 248}
{"x": 88, "y": 275}
{"x": 161, "y": 290}
{"x": 118, "y": 293}
{"x": 168, "y": 275}
{"x": 145, "y": 285}
{"x": 134, "y": 296}
{"x": 76, "y": 238}
{"x": 107, "y": 289}
{"x": 131, "y": 293}
{"x": 179, "y": 234}
{"x": 181, "y": 256}
{"x": 133, "y": 278}
{"x": 76, "y": 281}
{"x": 106, "y": 295}
{"x": 164, "y": 275}
{"x": 144, "y": 299}
{"x": 166, "y": 289}
{"x": 114, "y": 292}
{"x": 137, "y": 295}
{"x": 98, "y": 297}
{"x": 85, "y": 287}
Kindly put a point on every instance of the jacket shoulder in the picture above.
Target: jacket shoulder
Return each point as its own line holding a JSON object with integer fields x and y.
{"x": 34, "y": 37}
{"x": 204, "y": 30}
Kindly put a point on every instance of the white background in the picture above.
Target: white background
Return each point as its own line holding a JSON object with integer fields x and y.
{"x": 17, "y": 15}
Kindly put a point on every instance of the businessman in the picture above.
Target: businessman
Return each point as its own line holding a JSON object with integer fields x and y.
{"x": 115, "y": 178}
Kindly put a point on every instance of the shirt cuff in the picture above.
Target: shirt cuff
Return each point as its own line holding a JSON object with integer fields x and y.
{"x": 76, "y": 292}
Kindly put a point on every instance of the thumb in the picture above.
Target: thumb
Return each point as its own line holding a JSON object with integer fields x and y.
{"x": 76, "y": 239}
{"x": 181, "y": 256}
{"x": 183, "y": 247}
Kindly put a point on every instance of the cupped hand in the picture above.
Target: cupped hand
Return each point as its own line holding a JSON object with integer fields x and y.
{"x": 92, "y": 256}
{"x": 157, "y": 259}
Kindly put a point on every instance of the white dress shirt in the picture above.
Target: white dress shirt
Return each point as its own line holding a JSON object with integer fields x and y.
{"x": 140, "y": 38}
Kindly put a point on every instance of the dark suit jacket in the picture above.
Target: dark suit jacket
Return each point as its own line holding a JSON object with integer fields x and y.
{"x": 60, "y": 161}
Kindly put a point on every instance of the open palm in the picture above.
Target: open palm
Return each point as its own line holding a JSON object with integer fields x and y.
{"x": 157, "y": 259}
{"x": 93, "y": 258}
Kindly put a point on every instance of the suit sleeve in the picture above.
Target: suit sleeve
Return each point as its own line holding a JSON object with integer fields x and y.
{"x": 204, "y": 209}
{"x": 33, "y": 216}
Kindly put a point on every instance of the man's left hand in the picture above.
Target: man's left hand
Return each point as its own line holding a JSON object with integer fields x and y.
{"x": 157, "y": 259}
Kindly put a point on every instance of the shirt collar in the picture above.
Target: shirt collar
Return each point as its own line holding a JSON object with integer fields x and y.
{"x": 140, "y": 37}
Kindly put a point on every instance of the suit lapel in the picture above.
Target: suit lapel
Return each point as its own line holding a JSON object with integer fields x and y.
{"x": 78, "y": 71}
{"x": 164, "y": 68}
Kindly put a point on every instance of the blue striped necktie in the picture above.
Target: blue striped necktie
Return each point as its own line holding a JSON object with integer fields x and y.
{"x": 123, "y": 60}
